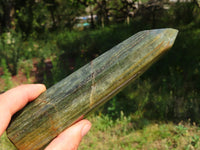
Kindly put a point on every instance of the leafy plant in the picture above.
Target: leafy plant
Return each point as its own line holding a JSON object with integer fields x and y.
{"x": 11, "y": 50}
{"x": 6, "y": 75}
{"x": 26, "y": 67}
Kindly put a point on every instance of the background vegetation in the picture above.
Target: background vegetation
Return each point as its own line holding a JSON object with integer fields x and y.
{"x": 45, "y": 40}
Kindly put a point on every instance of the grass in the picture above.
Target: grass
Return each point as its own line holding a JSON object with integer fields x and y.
{"x": 5, "y": 144}
{"x": 123, "y": 134}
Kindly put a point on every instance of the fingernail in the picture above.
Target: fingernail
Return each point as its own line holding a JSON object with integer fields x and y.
{"x": 85, "y": 129}
{"x": 42, "y": 86}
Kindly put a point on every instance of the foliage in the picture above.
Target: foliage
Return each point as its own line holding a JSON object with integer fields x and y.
{"x": 6, "y": 76}
{"x": 33, "y": 17}
{"x": 184, "y": 12}
{"x": 26, "y": 67}
{"x": 14, "y": 49}
{"x": 38, "y": 16}
{"x": 10, "y": 50}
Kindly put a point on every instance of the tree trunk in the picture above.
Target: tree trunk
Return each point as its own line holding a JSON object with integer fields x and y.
{"x": 102, "y": 21}
{"x": 128, "y": 20}
{"x": 92, "y": 19}
{"x": 53, "y": 19}
{"x": 8, "y": 15}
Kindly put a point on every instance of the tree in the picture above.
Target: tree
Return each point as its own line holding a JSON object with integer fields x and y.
{"x": 7, "y": 14}
{"x": 52, "y": 5}
{"x": 126, "y": 9}
{"x": 184, "y": 12}
{"x": 151, "y": 11}
{"x": 38, "y": 15}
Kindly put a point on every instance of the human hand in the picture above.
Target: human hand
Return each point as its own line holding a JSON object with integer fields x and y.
{"x": 15, "y": 99}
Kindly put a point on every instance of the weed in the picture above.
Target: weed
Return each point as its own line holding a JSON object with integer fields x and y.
{"x": 180, "y": 130}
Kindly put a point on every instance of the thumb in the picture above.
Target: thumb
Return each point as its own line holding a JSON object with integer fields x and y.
{"x": 71, "y": 137}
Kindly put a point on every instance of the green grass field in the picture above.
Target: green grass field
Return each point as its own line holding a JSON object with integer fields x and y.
{"x": 124, "y": 135}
